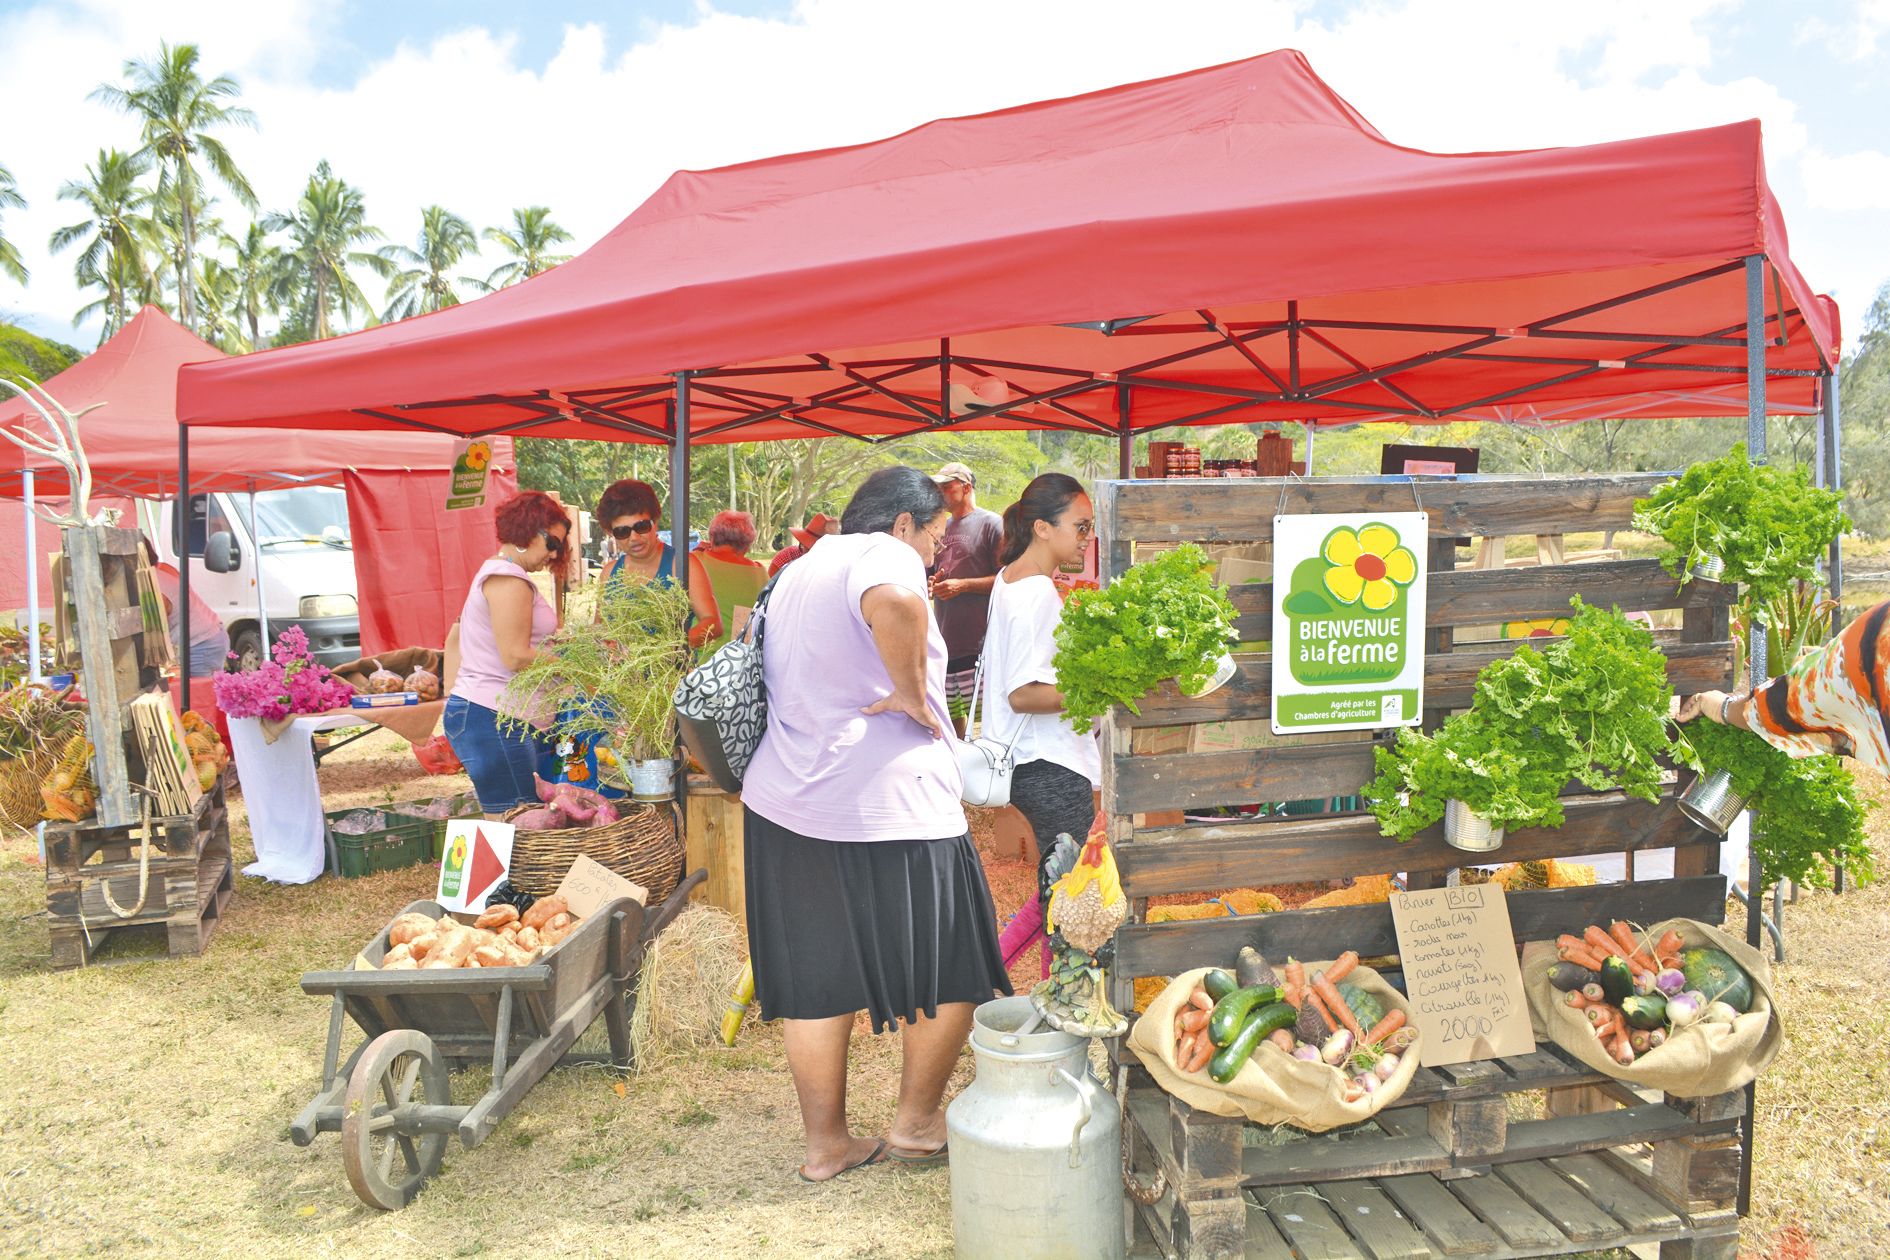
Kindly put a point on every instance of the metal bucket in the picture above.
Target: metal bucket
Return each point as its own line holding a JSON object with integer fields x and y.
{"x": 653, "y": 780}
{"x": 1711, "y": 802}
{"x": 1224, "y": 671}
{"x": 1464, "y": 828}
{"x": 1036, "y": 1146}
{"x": 1710, "y": 568}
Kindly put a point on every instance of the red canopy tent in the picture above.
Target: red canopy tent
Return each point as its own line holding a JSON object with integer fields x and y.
{"x": 1231, "y": 244}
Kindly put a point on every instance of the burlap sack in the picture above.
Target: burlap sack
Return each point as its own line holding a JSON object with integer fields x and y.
{"x": 1273, "y": 1087}
{"x": 402, "y": 661}
{"x": 1696, "y": 1061}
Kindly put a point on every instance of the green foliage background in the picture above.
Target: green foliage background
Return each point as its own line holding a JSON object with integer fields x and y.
{"x": 24, "y": 356}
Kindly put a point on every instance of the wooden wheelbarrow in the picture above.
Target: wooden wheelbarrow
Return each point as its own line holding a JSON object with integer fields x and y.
{"x": 391, "y": 1101}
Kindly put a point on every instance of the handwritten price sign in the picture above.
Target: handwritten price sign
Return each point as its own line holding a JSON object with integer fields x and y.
{"x": 1461, "y": 974}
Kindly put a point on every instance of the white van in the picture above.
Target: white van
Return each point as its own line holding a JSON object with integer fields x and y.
{"x": 300, "y": 553}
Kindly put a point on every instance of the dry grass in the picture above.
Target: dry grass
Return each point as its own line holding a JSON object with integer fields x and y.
{"x": 144, "y": 1108}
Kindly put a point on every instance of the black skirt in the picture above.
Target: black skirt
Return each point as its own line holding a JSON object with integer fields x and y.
{"x": 892, "y": 927}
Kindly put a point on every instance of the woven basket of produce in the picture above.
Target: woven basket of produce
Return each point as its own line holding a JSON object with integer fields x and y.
{"x": 643, "y": 845}
{"x": 20, "y": 777}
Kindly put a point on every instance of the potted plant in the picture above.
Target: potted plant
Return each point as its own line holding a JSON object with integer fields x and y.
{"x": 1807, "y": 819}
{"x": 1589, "y": 707}
{"x": 609, "y": 684}
{"x": 1159, "y": 620}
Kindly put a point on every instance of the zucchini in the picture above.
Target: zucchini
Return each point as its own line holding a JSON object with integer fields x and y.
{"x": 1218, "y": 984}
{"x": 1617, "y": 979}
{"x": 1645, "y": 1011}
{"x": 1230, "y": 1013}
{"x": 1568, "y": 976}
{"x": 1270, "y": 1018}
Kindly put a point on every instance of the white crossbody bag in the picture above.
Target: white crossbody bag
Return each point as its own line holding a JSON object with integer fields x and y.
{"x": 986, "y": 764}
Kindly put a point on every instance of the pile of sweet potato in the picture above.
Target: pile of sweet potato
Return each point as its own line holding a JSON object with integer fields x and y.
{"x": 500, "y": 937}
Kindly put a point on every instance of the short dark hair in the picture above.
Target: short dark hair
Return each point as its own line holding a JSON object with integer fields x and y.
{"x": 526, "y": 515}
{"x": 1046, "y": 498}
{"x": 887, "y": 495}
{"x": 627, "y": 498}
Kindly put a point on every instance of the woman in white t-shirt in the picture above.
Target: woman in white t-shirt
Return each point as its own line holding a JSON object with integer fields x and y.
{"x": 1058, "y": 771}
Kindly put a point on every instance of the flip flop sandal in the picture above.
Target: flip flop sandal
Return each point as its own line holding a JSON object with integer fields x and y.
{"x": 878, "y": 1156}
{"x": 929, "y": 1159}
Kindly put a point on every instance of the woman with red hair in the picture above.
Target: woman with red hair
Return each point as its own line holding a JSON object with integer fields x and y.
{"x": 500, "y": 628}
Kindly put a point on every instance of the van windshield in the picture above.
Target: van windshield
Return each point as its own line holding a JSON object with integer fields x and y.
{"x": 305, "y": 516}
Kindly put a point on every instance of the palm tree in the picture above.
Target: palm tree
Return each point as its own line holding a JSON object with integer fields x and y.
{"x": 116, "y": 232}
{"x": 424, "y": 286}
{"x": 256, "y": 268}
{"x": 221, "y": 315}
{"x": 10, "y": 199}
{"x": 178, "y": 109}
{"x": 325, "y": 229}
{"x": 528, "y": 241}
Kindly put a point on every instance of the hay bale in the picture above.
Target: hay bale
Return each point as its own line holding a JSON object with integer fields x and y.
{"x": 683, "y": 987}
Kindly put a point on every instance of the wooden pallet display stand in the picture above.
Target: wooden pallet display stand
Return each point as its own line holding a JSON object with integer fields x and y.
{"x": 101, "y": 566}
{"x": 188, "y": 880}
{"x": 1449, "y": 1169}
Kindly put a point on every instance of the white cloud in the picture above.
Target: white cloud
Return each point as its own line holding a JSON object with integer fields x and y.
{"x": 1856, "y": 36}
{"x": 1847, "y": 181}
{"x": 461, "y": 122}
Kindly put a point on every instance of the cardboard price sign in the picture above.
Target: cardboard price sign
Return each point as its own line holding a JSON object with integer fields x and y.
{"x": 1461, "y": 974}
{"x": 589, "y": 884}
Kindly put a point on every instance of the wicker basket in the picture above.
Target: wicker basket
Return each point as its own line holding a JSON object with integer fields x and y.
{"x": 20, "y": 801}
{"x": 644, "y": 845}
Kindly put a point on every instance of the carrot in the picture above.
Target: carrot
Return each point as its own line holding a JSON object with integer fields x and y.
{"x": 1668, "y": 947}
{"x": 1391, "y": 1023}
{"x": 1295, "y": 982}
{"x": 1200, "y": 998}
{"x": 1565, "y": 942}
{"x": 1319, "y": 1009}
{"x": 1185, "y": 1050}
{"x": 1636, "y": 954}
{"x": 1194, "y": 1021}
{"x": 1603, "y": 943}
{"x": 1574, "y": 998}
{"x": 1342, "y": 968}
{"x": 1203, "y": 1051}
{"x": 1582, "y": 958}
{"x": 1336, "y": 1004}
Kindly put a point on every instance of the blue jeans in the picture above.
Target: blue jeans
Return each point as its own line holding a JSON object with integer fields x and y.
{"x": 501, "y": 763}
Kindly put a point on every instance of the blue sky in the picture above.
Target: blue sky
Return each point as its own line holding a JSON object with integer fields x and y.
{"x": 587, "y": 106}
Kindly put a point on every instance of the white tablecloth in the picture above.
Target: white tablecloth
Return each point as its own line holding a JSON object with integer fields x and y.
{"x": 283, "y": 797}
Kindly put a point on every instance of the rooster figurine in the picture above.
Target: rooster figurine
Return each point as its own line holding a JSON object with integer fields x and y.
{"x": 1085, "y": 909}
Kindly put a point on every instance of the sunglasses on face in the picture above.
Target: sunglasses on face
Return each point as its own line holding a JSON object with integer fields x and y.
{"x": 554, "y": 544}
{"x": 1083, "y": 528}
{"x": 622, "y": 532}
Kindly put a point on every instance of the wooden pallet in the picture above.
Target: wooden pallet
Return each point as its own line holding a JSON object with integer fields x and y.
{"x": 1461, "y": 1147}
{"x": 189, "y": 878}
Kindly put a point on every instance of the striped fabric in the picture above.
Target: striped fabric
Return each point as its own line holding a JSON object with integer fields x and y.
{"x": 1838, "y": 693}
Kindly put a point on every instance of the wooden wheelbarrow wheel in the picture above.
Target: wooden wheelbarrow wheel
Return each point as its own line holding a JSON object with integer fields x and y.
{"x": 386, "y": 1166}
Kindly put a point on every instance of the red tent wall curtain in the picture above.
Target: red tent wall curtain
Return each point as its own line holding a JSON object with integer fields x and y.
{"x": 413, "y": 560}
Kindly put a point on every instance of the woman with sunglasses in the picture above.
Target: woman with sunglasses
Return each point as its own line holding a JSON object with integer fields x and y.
{"x": 629, "y": 511}
{"x": 1058, "y": 771}
{"x": 500, "y": 627}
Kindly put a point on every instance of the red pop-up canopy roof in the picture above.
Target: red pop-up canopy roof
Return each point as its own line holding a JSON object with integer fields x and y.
{"x": 1232, "y": 244}
{"x": 131, "y": 440}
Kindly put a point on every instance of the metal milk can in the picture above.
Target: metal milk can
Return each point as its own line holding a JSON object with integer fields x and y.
{"x": 1036, "y": 1146}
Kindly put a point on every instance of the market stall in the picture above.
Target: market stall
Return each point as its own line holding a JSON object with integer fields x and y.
{"x": 1265, "y": 254}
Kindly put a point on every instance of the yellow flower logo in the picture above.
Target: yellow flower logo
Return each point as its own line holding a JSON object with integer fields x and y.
{"x": 478, "y": 455}
{"x": 1544, "y": 628}
{"x": 1367, "y": 564}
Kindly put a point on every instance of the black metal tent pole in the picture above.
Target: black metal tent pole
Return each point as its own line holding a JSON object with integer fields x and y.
{"x": 1125, "y": 435}
{"x": 180, "y": 521}
{"x": 679, "y": 481}
{"x": 1756, "y": 454}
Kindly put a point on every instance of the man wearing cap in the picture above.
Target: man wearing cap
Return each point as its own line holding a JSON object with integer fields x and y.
{"x": 961, "y": 584}
{"x": 804, "y": 539}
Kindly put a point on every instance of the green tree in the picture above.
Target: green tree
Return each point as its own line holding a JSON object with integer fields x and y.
{"x": 116, "y": 235}
{"x": 24, "y": 356}
{"x": 257, "y": 268}
{"x": 178, "y": 109}
{"x": 529, "y": 242}
{"x": 1864, "y": 396}
{"x": 325, "y": 232}
{"x": 418, "y": 279}
{"x": 10, "y": 199}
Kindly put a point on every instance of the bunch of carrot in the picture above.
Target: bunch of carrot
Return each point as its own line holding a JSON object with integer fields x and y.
{"x": 1321, "y": 994}
{"x": 1595, "y": 946}
{"x": 1193, "y": 1046}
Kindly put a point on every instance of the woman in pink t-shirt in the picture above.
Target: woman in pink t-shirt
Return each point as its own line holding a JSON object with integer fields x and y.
{"x": 500, "y": 627}
{"x": 864, "y": 889}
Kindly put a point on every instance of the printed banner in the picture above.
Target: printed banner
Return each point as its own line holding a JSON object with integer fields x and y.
{"x": 1348, "y": 620}
{"x": 472, "y": 461}
{"x": 478, "y": 855}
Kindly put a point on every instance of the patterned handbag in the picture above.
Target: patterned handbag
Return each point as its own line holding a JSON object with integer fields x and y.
{"x": 722, "y": 704}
